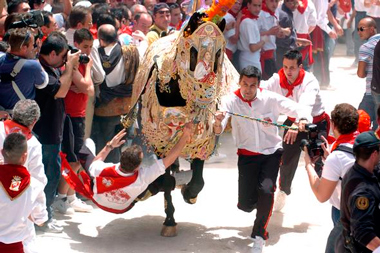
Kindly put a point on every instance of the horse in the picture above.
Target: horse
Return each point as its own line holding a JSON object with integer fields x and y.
{"x": 181, "y": 79}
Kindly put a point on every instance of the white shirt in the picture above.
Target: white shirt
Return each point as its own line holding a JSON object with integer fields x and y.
{"x": 252, "y": 135}
{"x": 70, "y": 36}
{"x": 335, "y": 167}
{"x": 117, "y": 75}
{"x": 302, "y": 22}
{"x": 115, "y": 199}
{"x": 34, "y": 160}
{"x": 249, "y": 34}
{"x": 374, "y": 11}
{"x": 228, "y": 34}
{"x": 359, "y": 6}
{"x": 306, "y": 94}
{"x": 266, "y": 22}
{"x": 14, "y": 214}
{"x": 321, "y": 7}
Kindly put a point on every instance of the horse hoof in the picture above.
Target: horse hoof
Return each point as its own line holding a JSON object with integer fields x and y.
{"x": 188, "y": 200}
{"x": 169, "y": 231}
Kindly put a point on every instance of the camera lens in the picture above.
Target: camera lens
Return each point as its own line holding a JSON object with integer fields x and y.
{"x": 83, "y": 59}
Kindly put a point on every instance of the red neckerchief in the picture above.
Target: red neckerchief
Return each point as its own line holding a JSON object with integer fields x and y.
{"x": 265, "y": 8}
{"x": 345, "y": 138}
{"x": 247, "y": 14}
{"x": 12, "y": 127}
{"x": 94, "y": 31}
{"x": 233, "y": 13}
{"x": 238, "y": 93}
{"x": 15, "y": 179}
{"x": 125, "y": 30}
{"x": 110, "y": 180}
{"x": 302, "y": 6}
{"x": 285, "y": 84}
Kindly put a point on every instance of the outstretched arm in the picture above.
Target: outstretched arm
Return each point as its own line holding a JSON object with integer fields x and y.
{"x": 116, "y": 142}
{"x": 176, "y": 150}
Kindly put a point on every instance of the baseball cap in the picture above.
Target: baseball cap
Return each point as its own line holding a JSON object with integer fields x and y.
{"x": 159, "y": 6}
{"x": 366, "y": 140}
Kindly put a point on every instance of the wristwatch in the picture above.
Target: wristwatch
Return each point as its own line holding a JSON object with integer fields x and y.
{"x": 109, "y": 145}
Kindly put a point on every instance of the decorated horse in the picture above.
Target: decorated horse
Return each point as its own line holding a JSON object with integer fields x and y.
{"x": 181, "y": 79}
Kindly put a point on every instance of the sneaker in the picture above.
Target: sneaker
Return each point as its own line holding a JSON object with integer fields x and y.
{"x": 50, "y": 227}
{"x": 63, "y": 206}
{"x": 280, "y": 201}
{"x": 258, "y": 244}
{"x": 80, "y": 206}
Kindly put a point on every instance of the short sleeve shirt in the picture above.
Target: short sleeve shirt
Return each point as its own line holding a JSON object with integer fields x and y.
{"x": 366, "y": 53}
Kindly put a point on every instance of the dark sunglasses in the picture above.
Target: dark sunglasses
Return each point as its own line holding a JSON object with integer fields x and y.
{"x": 361, "y": 29}
{"x": 163, "y": 12}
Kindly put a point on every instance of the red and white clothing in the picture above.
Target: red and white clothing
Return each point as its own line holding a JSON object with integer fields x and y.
{"x": 305, "y": 93}
{"x": 228, "y": 34}
{"x": 21, "y": 196}
{"x": 255, "y": 136}
{"x": 249, "y": 34}
{"x": 321, "y": 7}
{"x": 76, "y": 103}
{"x": 266, "y": 21}
{"x": 121, "y": 197}
{"x": 34, "y": 160}
{"x": 304, "y": 18}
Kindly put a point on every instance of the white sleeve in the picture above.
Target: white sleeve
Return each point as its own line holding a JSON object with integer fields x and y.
{"x": 35, "y": 165}
{"x": 310, "y": 93}
{"x": 151, "y": 173}
{"x": 312, "y": 18}
{"x": 291, "y": 108}
{"x": 39, "y": 213}
{"x": 270, "y": 84}
{"x": 226, "y": 106}
{"x": 97, "y": 167}
{"x": 332, "y": 167}
{"x": 321, "y": 11}
{"x": 251, "y": 32}
{"x": 98, "y": 73}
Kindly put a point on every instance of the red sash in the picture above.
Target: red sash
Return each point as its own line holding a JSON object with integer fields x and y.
{"x": 345, "y": 138}
{"x": 12, "y": 127}
{"x": 247, "y": 14}
{"x": 16, "y": 247}
{"x": 302, "y": 6}
{"x": 265, "y": 55}
{"x": 306, "y": 49}
{"x": 285, "y": 84}
{"x": 84, "y": 188}
{"x": 110, "y": 180}
{"x": 15, "y": 179}
{"x": 317, "y": 40}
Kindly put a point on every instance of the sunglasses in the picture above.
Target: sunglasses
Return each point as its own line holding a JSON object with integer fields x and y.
{"x": 163, "y": 12}
{"x": 361, "y": 29}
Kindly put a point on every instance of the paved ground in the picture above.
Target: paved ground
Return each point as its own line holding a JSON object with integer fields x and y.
{"x": 213, "y": 224}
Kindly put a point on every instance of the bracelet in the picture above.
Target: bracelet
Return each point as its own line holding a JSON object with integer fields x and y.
{"x": 109, "y": 145}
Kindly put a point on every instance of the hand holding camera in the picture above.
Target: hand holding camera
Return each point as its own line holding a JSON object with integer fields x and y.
{"x": 72, "y": 60}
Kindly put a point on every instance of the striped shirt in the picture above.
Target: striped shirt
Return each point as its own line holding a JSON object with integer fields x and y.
{"x": 366, "y": 52}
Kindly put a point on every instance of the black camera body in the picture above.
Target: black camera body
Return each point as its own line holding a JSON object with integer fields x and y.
{"x": 83, "y": 58}
{"x": 35, "y": 20}
{"x": 313, "y": 143}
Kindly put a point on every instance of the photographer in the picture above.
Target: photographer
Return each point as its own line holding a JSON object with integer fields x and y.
{"x": 23, "y": 49}
{"x": 54, "y": 54}
{"x": 344, "y": 123}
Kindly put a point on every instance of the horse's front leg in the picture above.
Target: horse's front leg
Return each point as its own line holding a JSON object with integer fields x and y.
{"x": 193, "y": 188}
{"x": 169, "y": 228}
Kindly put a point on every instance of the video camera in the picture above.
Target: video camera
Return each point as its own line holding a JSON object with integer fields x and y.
{"x": 313, "y": 143}
{"x": 35, "y": 20}
{"x": 83, "y": 58}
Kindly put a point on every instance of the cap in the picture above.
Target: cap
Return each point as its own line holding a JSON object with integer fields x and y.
{"x": 366, "y": 140}
{"x": 364, "y": 124}
{"x": 159, "y": 6}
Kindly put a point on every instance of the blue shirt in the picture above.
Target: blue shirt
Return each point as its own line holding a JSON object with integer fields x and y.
{"x": 30, "y": 77}
{"x": 366, "y": 53}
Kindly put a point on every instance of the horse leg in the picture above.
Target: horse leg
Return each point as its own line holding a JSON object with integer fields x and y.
{"x": 169, "y": 228}
{"x": 191, "y": 190}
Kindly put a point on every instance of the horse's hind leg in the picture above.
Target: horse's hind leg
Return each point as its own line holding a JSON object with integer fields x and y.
{"x": 169, "y": 228}
{"x": 191, "y": 190}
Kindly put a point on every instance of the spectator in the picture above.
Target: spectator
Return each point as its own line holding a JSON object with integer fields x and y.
{"x": 80, "y": 17}
{"x": 137, "y": 9}
{"x": 367, "y": 32}
{"x": 21, "y": 198}
{"x": 73, "y": 133}
{"x": 18, "y": 6}
{"x": 161, "y": 18}
{"x": 142, "y": 22}
{"x": 31, "y": 76}
{"x": 53, "y": 55}
{"x": 50, "y": 25}
{"x": 175, "y": 16}
{"x": 97, "y": 9}
{"x": 149, "y": 5}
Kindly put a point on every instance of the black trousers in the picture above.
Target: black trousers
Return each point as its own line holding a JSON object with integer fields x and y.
{"x": 291, "y": 156}
{"x": 257, "y": 184}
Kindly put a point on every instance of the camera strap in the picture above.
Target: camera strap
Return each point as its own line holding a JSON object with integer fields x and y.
{"x": 344, "y": 149}
{"x": 16, "y": 69}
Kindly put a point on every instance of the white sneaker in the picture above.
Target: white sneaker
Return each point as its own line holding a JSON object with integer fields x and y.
{"x": 80, "y": 206}
{"x": 63, "y": 206}
{"x": 280, "y": 201}
{"x": 50, "y": 227}
{"x": 258, "y": 244}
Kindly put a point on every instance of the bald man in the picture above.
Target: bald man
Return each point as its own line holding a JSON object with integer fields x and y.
{"x": 112, "y": 72}
{"x": 142, "y": 22}
{"x": 136, "y": 9}
{"x": 368, "y": 33}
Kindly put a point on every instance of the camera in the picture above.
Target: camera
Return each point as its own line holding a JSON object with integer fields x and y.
{"x": 313, "y": 143}
{"x": 35, "y": 20}
{"x": 83, "y": 59}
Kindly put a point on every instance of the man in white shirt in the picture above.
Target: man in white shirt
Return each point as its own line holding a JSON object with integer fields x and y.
{"x": 22, "y": 199}
{"x": 250, "y": 42}
{"x": 259, "y": 145}
{"x": 302, "y": 87}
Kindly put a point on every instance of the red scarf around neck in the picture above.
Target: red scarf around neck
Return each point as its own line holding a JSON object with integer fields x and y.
{"x": 15, "y": 179}
{"x": 285, "y": 84}
{"x": 233, "y": 13}
{"x": 302, "y": 6}
{"x": 345, "y": 138}
{"x": 12, "y": 127}
{"x": 238, "y": 94}
{"x": 266, "y": 9}
{"x": 247, "y": 14}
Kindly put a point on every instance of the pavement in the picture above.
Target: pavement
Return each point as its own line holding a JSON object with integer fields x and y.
{"x": 213, "y": 224}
